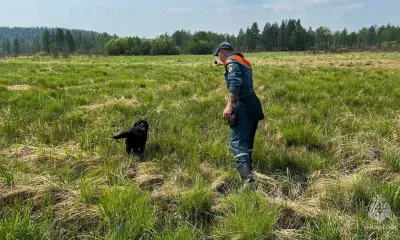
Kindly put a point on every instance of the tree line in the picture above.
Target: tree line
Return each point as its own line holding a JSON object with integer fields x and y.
{"x": 289, "y": 35}
{"x": 181, "y": 42}
{"x": 51, "y": 41}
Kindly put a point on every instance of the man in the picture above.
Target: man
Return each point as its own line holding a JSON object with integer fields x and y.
{"x": 243, "y": 109}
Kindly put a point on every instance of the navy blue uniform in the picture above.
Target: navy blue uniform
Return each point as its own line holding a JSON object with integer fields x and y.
{"x": 239, "y": 81}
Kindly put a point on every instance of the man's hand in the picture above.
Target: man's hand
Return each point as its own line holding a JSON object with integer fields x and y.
{"x": 218, "y": 63}
{"x": 227, "y": 112}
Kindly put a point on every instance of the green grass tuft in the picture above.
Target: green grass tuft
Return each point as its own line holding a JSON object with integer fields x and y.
{"x": 249, "y": 217}
{"x": 126, "y": 213}
{"x": 195, "y": 205}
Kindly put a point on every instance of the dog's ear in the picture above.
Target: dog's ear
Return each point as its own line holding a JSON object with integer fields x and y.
{"x": 122, "y": 135}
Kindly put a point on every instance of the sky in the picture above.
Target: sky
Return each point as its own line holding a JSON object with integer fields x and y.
{"x": 151, "y": 18}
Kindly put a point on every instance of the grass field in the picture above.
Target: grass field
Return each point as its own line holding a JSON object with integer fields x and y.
{"x": 329, "y": 145}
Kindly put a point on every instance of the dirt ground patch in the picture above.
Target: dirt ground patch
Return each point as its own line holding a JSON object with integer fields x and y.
{"x": 19, "y": 87}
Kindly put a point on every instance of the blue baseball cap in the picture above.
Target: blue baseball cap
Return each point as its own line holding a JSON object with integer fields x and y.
{"x": 223, "y": 46}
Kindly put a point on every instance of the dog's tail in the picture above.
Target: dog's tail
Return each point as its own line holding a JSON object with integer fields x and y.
{"x": 122, "y": 135}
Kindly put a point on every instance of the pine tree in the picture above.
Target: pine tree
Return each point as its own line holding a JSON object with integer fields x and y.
{"x": 240, "y": 40}
{"x": 53, "y": 44}
{"x": 275, "y": 36}
{"x": 46, "y": 41}
{"x": 289, "y": 34}
{"x": 177, "y": 37}
{"x": 70, "y": 41}
{"x": 6, "y": 46}
{"x": 253, "y": 37}
{"x": 310, "y": 39}
{"x": 23, "y": 46}
{"x": 352, "y": 40}
{"x": 363, "y": 38}
{"x": 60, "y": 40}
{"x": 246, "y": 40}
{"x": 300, "y": 33}
{"x": 372, "y": 38}
{"x": 79, "y": 41}
{"x": 265, "y": 39}
{"x": 36, "y": 44}
{"x": 281, "y": 37}
{"x": 343, "y": 38}
{"x": 17, "y": 46}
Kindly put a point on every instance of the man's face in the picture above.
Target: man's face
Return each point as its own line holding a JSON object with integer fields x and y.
{"x": 222, "y": 55}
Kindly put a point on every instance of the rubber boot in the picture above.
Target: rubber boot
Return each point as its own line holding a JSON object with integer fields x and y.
{"x": 247, "y": 177}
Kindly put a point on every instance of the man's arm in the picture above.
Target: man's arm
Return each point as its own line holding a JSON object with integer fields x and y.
{"x": 234, "y": 77}
{"x": 231, "y": 99}
{"x": 229, "y": 106}
{"x": 235, "y": 82}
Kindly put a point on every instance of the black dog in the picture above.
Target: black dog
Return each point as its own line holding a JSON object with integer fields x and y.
{"x": 135, "y": 139}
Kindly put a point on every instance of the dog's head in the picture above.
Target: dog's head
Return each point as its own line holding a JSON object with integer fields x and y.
{"x": 143, "y": 124}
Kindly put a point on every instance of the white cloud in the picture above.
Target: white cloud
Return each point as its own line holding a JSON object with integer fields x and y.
{"x": 291, "y": 5}
{"x": 179, "y": 10}
{"x": 352, "y": 7}
{"x": 278, "y": 6}
{"x": 316, "y": 1}
{"x": 216, "y": 1}
{"x": 232, "y": 9}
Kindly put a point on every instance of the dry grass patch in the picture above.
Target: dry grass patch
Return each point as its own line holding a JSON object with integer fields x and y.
{"x": 9, "y": 194}
{"x": 307, "y": 208}
{"x": 223, "y": 184}
{"x": 19, "y": 87}
{"x": 31, "y": 155}
{"x": 269, "y": 186}
{"x": 72, "y": 220}
{"x": 97, "y": 106}
{"x": 34, "y": 192}
{"x": 332, "y": 62}
{"x": 287, "y": 234}
{"x": 79, "y": 213}
{"x": 147, "y": 176}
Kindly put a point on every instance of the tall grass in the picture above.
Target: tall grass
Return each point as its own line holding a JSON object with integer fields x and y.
{"x": 329, "y": 118}
{"x": 127, "y": 213}
{"x": 249, "y": 217}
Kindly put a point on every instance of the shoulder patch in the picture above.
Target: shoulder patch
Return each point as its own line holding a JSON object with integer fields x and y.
{"x": 229, "y": 67}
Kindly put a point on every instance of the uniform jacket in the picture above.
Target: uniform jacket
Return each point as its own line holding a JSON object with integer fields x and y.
{"x": 239, "y": 81}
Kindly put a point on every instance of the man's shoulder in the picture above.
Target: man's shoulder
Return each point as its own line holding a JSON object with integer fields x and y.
{"x": 232, "y": 65}
{"x": 231, "y": 60}
{"x": 239, "y": 58}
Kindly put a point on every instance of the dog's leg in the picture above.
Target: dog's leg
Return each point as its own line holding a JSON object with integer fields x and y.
{"x": 141, "y": 154}
{"x": 128, "y": 149}
{"x": 141, "y": 150}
